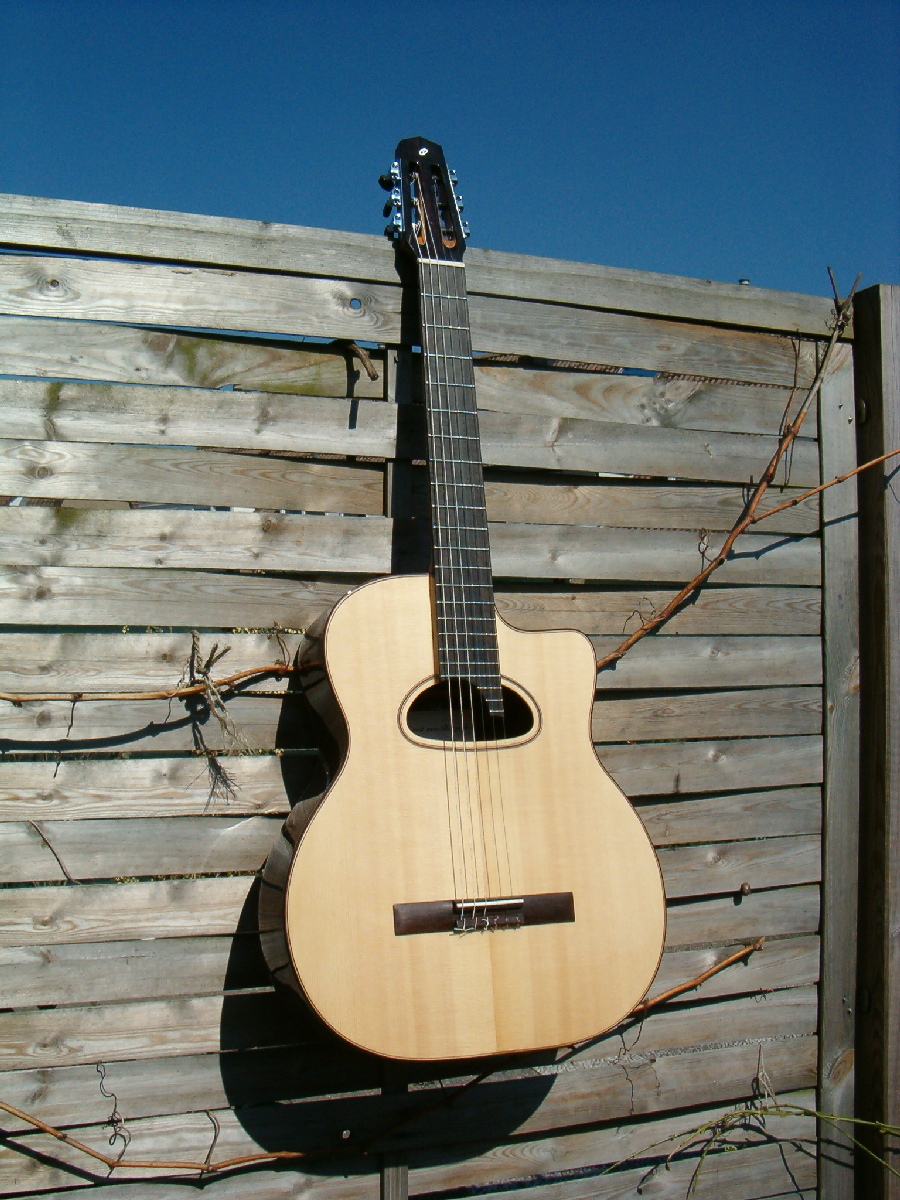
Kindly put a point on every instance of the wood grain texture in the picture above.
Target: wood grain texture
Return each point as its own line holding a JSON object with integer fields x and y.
{"x": 878, "y": 1018}
{"x": 713, "y": 610}
{"x": 40, "y": 223}
{"x": 75, "y": 1035}
{"x": 98, "y": 471}
{"x": 183, "y": 416}
{"x": 89, "y": 537}
{"x": 727, "y": 866}
{"x": 130, "y": 596}
{"x": 698, "y": 662}
{"x": 776, "y": 813}
{"x": 152, "y": 294}
{"x": 755, "y": 713}
{"x": 634, "y": 506}
{"x": 263, "y": 723}
{"x": 85, "y": 537}
{"x": 270, "y": 421}
{"x": 668, "y": 401}
{"x": 37, "y": 916}
{"x": 657, "y": 768}
{"x": 840, "y": 619}
{"x": 55, "y": 349}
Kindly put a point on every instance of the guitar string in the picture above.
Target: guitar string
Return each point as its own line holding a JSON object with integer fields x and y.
{"x": 461, "y": 344}
{"x": 443, "y": 559}
{"x": 454, "y": 323}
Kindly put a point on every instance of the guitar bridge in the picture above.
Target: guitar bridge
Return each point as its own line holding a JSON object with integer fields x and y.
{"x": 500, "y": 912}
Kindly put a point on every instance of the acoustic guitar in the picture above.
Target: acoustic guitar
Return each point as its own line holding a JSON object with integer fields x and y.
{"x": 472, "y": 882}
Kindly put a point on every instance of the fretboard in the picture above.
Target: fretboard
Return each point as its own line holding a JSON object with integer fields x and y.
{"x": 463, "y": 589}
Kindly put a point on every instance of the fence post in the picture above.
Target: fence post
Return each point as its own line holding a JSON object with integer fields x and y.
{"x": 877, "y": 338}
{"x": 840, "y": 791}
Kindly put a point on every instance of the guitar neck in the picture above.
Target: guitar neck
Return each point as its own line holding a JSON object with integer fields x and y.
{"x": 465, "y": 619}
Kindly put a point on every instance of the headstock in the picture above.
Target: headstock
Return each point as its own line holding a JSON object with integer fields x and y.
{"x": 424, "y": 207}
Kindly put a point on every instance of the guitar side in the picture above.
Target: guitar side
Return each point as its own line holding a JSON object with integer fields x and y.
{"x": 407, "y": 823}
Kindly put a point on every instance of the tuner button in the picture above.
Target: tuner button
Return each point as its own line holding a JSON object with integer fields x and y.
{"x": 453, "y": 176}
{"x": 388, "y": 209}
{"x": 387, "y": 182}
{"x": 465, "y": 228}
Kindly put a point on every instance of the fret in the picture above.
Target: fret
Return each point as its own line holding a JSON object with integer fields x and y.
{"x": 465, "y": 618}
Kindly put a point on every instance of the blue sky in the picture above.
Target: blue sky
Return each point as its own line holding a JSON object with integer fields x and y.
{"x": 714, "y": 139}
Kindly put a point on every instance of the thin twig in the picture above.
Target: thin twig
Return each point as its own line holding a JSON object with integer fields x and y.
{"x": 206, "y": 1167}
{"x": 190, "y": 689}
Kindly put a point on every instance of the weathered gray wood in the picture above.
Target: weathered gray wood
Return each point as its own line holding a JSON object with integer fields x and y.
{"x": 673, "y": 402}
{"x": 75, "y": 537}
{"x": 150, "y": 294}
{"x": 840, "y": 618}
{"x": 119, "y": 911}
{"x": 91, "y": 350}
{"x": 733, "y": 610}
{"x": 658, "y": 768}
{"x": 698, "y": 662}
{"x": 126, "y": 661}
{"x": 784, "y": 912}
{"x": 76, "y": 1034}
{"x": 108, "y": 972}
{"x": 181, "y": 416}
{"x": 727, "y": 866}
{"x": 86, "y": 537}
{"x": 878, "y": 1019}
{"x": 583, "y": 552}
{"x": 160, "y": 787}
{"x": 24, "y": 854}
{"x": 155, "y": 846}
{"x": 573, "y": 444}
{"x": 776, "y": 813}
{"x": 40, "y": 223}
{"x": 269, "y": 421}
{"x": 130, "y": 596}
{"x": 166, "y": 726}
{"x": 106, "y": 849}
{"x": 633, "y": 507}
{"x": 753, "y": 713}
{"x": 184, "y": 475}
{"x": 125, "y": 596}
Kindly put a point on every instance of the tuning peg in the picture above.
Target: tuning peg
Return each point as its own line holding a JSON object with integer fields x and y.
{"x": 454, "y": 178}
{"x": 386, "y": 182}
{"x": 388, "y": 208}
{"x": 465, "y": 228}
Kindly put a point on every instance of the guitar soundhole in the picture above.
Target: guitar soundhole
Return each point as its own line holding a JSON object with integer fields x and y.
{"x": 454, "y": 711}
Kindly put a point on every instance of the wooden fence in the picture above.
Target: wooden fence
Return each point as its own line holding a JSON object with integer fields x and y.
{"x": 190, "y": 442}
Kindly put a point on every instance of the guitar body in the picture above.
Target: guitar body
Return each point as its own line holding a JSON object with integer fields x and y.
{"x": 410, "y": 821}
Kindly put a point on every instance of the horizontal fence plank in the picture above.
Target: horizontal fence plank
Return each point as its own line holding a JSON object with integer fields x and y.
{"x": 261, "y": 724}
{"x": 30, "y": 221}
{"x": 657, "y": 768}
{"x": 632, "y": 507}
{"x": 182, "y": 416}
{"x": 730, "y": 866}
{"x": 37, "y": 916}
{"x": 97, "y": 471}
{"x": 25, "y": 855}
{"x": 185, "y": 475}
{"x": 781, "y": 912}
{"x": 130, "y": 596}
{"x": 159, "y": 538}
{"x": 151, "y": 294}
{"x": 107, "y": 849}
{"x": 776, "y": 813}
{"x": 74, "y": 537}
{"x": 33, "y": 409}
{"x": 76, "y": 789}
{"x": 79, "y": 1034}
{"x": 751, "y": 713}
{"x": 698, "y": 662}
{"x": 174, "y": 787}
{"x": 54, "y": 349}
{"x": 115, "y": 972}
{"x": 669, "y": 401}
